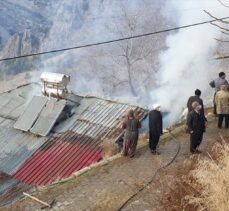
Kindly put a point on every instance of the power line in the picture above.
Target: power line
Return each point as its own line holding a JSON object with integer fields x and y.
{"x": 110, "y": 41}
{"x": 222, "y": 57}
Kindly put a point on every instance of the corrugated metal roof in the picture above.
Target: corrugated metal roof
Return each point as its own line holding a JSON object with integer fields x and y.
{"x": 13, "y": 103}
{"x": 10, "y": 189}
{"x": 51, "y": 164}
{"x": 73, "y": 144}
{"x": 6, "y": 182}
{"x": 13, "y": 193}
{"x": 76, "y": 148}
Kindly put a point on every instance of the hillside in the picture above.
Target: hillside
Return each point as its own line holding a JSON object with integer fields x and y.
{"x": 116, "y": 181}
{"x": 119, "y": 54}
{"x": 40, "y": 26}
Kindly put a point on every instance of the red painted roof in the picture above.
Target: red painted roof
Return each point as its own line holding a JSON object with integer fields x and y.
{"x": 57, "y": 161}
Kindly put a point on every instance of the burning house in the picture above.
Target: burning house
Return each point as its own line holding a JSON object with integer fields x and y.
{"x": 47, "y": 133}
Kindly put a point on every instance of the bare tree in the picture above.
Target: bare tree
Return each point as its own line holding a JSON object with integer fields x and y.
{"x": 128, "y": 66}
{"x": 134, "y": 61}
{"x": 224, "y": 4}
{"x": 222, "y": 25}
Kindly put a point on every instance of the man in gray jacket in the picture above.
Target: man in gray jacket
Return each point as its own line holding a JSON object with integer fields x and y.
{"x": 216, "y": 84}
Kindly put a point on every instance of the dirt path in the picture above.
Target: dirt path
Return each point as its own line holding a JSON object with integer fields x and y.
{"x": 151, "y": 198}
{"x": 108, "y": 187}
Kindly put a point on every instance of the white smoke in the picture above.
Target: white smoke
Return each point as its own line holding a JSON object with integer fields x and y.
{"x": 82, "y": 22}
{"x": 188, "y": 62}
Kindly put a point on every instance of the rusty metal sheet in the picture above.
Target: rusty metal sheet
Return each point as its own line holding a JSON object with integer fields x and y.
{"x": 30, "y": 115}
{"x": 48, "y": 117}
{"x": 10, "y": 189}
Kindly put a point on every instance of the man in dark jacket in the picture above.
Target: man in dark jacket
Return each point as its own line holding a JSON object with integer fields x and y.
{"x": 196, "y": 127}
{"x": 195, "y": 98}
{"x": 155, "y": 127}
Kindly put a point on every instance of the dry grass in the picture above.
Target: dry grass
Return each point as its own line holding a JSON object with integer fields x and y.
{"x": 203, "y": 182}
{"x": 109, "y": 148}
{"x": 143, "y": 138}
{"x": 213, "y": 176}
{"x": 182, "y": 188}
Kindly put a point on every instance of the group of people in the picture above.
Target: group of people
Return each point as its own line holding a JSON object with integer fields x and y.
{"x": 131, "y": 124}
{"x": 196, "y": 120}
{"x": 221, "y": 104}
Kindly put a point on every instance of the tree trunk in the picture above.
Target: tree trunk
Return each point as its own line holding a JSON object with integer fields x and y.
{"x": 132, "y": 89}
{"x": 131, "y": 85}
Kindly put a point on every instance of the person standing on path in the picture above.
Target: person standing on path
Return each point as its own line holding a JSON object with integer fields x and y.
{"x": 221, "y": 80}
{"x": 222, "y": 106}
{"x": 196, "y": 127}
{"x": 131, "y": 125}
{"x": 155, "y": 127}
{"x": 196, "y": 98}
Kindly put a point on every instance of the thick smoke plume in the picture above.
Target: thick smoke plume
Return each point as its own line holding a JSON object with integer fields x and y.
{"x": 82, "y": 22}
{"x": 176, "y": 63}
{"x": 188, "y": 63}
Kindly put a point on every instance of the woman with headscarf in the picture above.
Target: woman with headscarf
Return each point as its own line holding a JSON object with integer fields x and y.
{"x": 155, "y": 128}
{"x": 131, "y": 124}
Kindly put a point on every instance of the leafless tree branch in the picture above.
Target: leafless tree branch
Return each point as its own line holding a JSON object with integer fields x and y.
{"x": 221, "y": 40}
{"x": 220, "y": 20}
{"x": 221, "y": 2}
{"x": 224, "y": 32}
{"x": 120, "y": 83}
{"x": 222, "y": 57}
{"x": 214, "y": 24}
{"x": 116, "y": 60}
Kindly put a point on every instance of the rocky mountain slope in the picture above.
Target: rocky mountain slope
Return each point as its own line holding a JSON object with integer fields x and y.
{"x": 30, "y": 26}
